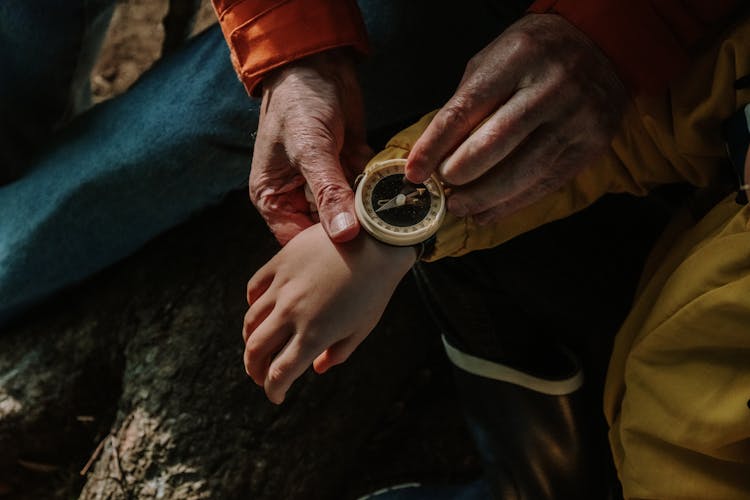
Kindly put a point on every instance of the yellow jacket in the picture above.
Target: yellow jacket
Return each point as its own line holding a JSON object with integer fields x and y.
{"x": 677, "y": 394}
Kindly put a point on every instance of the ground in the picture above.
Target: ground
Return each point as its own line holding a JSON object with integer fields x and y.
{"x": 130, "y": 385}
{"x": 134, "y": 42}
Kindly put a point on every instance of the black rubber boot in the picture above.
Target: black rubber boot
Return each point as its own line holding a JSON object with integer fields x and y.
{"x": 513, "y": 307}
{"x": 532, "y": 428}
{"x": 532, "y": 425}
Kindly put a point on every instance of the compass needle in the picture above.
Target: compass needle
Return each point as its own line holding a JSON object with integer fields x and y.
{"x": 387, "y": 205}
{"x": 398, "y": 201}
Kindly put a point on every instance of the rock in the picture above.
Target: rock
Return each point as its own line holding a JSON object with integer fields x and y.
{"x": 144, "y": 362}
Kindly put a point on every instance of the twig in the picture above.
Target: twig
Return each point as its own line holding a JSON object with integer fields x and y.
{"x": 94, "y": 456}
{"x": 37, "y": 466}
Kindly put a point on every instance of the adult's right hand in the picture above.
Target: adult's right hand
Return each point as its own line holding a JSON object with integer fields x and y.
{"x": 311, "y": 131}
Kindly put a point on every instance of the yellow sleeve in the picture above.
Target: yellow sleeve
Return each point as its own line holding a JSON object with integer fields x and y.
{"x": 677, "y": 395}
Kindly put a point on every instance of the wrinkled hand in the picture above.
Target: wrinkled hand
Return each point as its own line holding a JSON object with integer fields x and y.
{"x": 544, "y": 101}
{"x": 311, "y": 130}
{"x": 315, "y": 302}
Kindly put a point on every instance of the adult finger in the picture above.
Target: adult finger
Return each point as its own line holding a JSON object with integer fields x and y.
{"x": 283, "y": 207}
{"x": 568, "y": 164}
{"x": 481, "y": 91}
{"x": 518, "y": 180}
{"x": 333, "y": 195}
{"x": 494, "y": 139}
{"x": 447, "y": 130}
{"x": 286, "y": 226}
{"x": 336, "y": 354}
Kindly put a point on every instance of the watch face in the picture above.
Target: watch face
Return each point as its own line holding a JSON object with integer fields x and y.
{"x": 396, "y": 211}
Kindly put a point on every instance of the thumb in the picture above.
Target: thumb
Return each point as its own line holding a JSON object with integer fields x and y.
{"x": 334, "y": 199}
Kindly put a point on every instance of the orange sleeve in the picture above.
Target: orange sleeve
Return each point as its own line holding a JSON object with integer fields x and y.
{"x": 265, "y": 34}
{"x": 648, "y": 41}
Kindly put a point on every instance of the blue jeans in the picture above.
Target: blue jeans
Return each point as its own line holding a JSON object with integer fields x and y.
{"x": 93, "y": 184}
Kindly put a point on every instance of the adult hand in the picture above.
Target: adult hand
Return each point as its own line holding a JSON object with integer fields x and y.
{"x": 311, "y": 130}
{"x": 534, "y": 107}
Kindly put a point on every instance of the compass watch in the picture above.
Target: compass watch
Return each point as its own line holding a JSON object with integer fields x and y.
{"x": 395, "y": 211}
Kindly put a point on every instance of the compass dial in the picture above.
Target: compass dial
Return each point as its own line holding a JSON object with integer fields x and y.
{"x": 396, "y": 211}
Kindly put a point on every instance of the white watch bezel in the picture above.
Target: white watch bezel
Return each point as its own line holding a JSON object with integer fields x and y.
{"x": 398, "y": 236}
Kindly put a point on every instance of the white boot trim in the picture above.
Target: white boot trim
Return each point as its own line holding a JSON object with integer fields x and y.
{"x": 496, "y": 371}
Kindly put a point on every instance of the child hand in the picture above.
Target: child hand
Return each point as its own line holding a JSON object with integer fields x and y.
{"x": 315, "y": 302}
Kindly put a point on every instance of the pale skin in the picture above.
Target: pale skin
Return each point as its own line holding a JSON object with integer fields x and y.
{"x": 547, "y": 99}
{"x": 314, "y": 302}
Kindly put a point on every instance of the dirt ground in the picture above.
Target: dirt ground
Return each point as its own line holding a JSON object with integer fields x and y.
{"x": 134, "y": 42}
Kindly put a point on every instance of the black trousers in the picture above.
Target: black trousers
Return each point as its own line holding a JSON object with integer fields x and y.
{"x": 569, "y": 283}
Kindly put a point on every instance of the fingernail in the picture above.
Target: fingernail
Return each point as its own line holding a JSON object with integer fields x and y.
{"x": 341, "y": 223}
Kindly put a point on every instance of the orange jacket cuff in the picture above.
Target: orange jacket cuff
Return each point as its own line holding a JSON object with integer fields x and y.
{"x": 648, "y": 41}
{"x": 266, "y": 34}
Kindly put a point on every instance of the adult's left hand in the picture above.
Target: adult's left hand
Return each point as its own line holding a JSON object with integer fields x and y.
{"x": 535, "y": 106}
